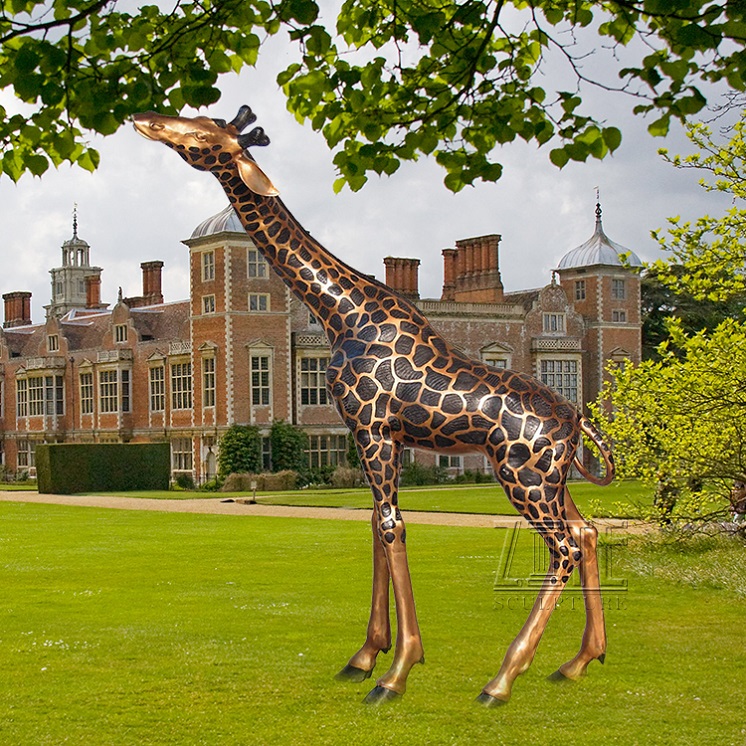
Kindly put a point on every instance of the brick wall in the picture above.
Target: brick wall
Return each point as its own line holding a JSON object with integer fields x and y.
{"x": 96, "y": 359}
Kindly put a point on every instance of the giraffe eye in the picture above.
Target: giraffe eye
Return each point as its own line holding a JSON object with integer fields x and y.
{"x": 156, "y": 126}
{"x": 200, "y": 136}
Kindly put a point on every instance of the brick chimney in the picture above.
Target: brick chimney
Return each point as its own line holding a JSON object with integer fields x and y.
{"x": 402, "y": 275}
{"x": 151, "y": 282}
{"x": 471, "y": 271}
{"x": 449, "y": 274}
{"x": 17, "y": 308}
{"x": 93, "y": 292}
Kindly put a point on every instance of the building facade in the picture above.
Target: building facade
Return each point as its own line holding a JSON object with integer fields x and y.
{"x": 243, "y": 350}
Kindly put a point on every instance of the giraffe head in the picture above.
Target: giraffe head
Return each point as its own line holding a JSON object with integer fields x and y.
{"x": 211, "y": 144}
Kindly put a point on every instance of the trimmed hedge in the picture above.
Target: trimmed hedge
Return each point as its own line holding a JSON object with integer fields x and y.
{"x": 66, "y": 468}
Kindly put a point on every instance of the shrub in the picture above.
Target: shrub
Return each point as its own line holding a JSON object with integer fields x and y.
{"x": 320, "y": 476}
{"x": 240, "y": 450}
{"x": 345, "y": 477}
{"x": 239, "y": 482}
{"x": 280, "y": 480}
{"x": 265, "y": 482}
{"x": 65, "y": 468}
{"x": 184, "y": 481}
{"x": 474, "y": 477}
{"x": 415, "y": 474}
{"x": 289, "y": 444}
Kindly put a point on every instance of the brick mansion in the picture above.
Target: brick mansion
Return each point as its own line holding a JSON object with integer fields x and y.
{"x": 242, "y": 349}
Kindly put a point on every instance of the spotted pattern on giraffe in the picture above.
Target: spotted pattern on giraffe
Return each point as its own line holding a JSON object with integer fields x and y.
{"x": 395, "y": 382}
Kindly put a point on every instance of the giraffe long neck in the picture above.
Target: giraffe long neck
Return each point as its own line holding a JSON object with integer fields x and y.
{"x": 330, "y": 288}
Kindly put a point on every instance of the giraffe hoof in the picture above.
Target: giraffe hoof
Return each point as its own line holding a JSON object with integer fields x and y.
{"x": 558, "y": 677}
{"x": 352, "y": 673}
{"x": 601, "y": 658}
{"x": 487, "y": 700}
{"x": 381, "y": 694}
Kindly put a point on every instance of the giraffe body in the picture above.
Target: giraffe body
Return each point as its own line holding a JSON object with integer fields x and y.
{"x": 396, "y": 382}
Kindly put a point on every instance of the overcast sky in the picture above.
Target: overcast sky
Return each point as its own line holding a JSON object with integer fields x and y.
{"x": 144, "y": 200}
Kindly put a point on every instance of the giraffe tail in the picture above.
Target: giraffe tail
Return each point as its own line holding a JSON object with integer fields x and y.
{"x": 590, "y": 430}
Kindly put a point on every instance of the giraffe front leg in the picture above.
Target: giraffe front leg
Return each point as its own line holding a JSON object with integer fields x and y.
{"x": 381, "y": 462}
{"x": 378, "y": 637}
{"x": 409, "y": 650}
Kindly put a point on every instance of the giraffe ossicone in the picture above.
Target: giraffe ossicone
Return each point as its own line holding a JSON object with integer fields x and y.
{"x": 397, "y": 383}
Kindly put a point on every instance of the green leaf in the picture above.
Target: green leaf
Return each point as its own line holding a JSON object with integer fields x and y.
{"x": 356, "y": 183}
{"x": 37, "y": 164}
{"x": 284, "y": 77}
{"x": 695, "y": 36}
{"x": 303, "y": 11}
{"x": 12, "y": 165}
{"x": 553, "y": 15}
{"x": 559, "y": 157}
{"x": 200, "y": 95}
{"x": 691, "y": 104}
{"x": 176, "y": 97}
{"x": 454, "y": 181}
{"x": 612, "y": 138}
{"x": 26, "y": 60}
{"x": 220, "y": 62}
{"x": 105, "y": 123}
{"x": 659, "y": 128}
{"x": 89, "y": 159}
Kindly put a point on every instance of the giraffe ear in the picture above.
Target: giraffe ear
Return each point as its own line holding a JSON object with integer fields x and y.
{"x": 254, "y": 177}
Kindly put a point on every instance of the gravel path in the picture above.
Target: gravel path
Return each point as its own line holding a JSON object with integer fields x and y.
{"x": 240, "y": 508}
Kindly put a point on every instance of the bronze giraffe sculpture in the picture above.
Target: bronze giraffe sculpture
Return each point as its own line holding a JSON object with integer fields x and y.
{"x": 396, "y": 383}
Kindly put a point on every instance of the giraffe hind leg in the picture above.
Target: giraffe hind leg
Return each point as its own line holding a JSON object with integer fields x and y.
{"x": 563, "y": 552}
{"x": 593, "y": 645}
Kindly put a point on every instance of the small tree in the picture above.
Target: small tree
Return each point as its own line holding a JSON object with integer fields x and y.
{"x": 289, "y": 444}
{"x": 679, "y": 421}
{"x": 240, "y": 451}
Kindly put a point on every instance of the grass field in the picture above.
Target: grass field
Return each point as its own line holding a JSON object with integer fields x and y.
{"x": 121, "y": 627}
{"x": 619, "y": 499}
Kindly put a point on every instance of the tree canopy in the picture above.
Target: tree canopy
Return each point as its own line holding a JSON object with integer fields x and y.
{"x": 664, "y": 298}
{"x": 679, "y": 421}
{"x": 388, "y": 81}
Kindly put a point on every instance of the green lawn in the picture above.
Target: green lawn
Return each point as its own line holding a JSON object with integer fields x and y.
{"x": 618, "y": 499}
{"x": 121, "y": 627}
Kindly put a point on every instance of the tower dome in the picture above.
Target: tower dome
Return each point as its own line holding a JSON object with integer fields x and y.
{"x": 598, "y": 249}
{"x": 75, "y": 251}
{"x": 69, "y": 280}
{"x": 226, "y": 221}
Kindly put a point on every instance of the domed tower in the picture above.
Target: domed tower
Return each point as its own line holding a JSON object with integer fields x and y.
{"x": 599, "y": 279}
{"x": 69, "y": 280}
